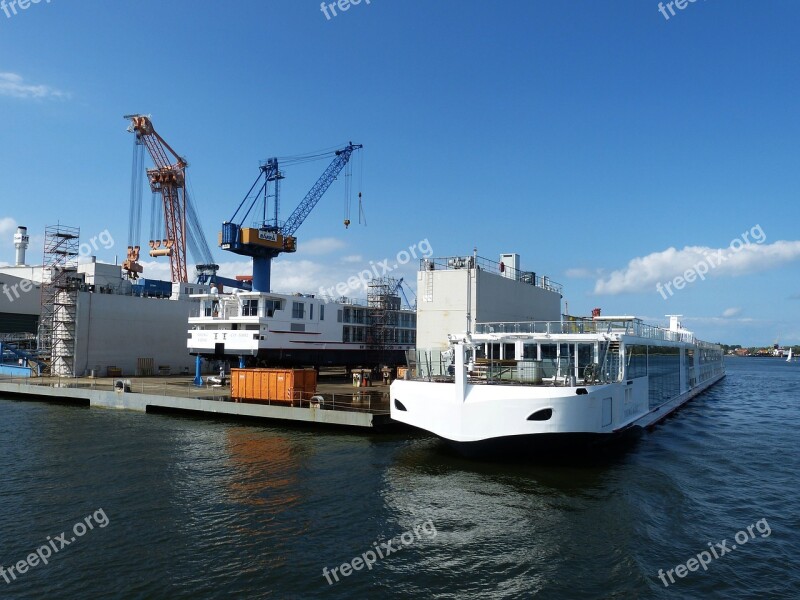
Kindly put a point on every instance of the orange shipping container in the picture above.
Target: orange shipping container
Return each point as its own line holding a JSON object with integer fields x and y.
{"x": 275, "y": 385}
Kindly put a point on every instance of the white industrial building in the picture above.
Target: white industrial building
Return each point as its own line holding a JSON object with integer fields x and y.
{"x": 113, "y": 326}
{"x": 19, "y": 303}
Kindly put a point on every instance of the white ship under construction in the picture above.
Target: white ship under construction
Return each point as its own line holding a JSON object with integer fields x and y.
{"x": 269, "y": 329}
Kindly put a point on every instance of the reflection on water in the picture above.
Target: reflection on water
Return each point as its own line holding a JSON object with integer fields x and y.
{"x": 524, "y": 525}
{"x": 263, "y": 470}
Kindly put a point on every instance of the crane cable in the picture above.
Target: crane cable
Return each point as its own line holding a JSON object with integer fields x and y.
{"x": 135, "y": 210}
{"x": 157, "y": 231}
{"x": 361, "y": 214}
{"x": 348, "y": 175}
{"x": 198, "y": 245}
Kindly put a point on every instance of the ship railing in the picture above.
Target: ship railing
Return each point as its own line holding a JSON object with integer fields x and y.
{"x": 632, "y": 327}
{"x": 545, "y": 372}
{"x": 228, "y": 310}
{"x": 17, "y": 337}
{"x": 549, "y": 327}
{"x": 452, "y": 263}
{"x": 437, "y": 366}
{"x": 358, "y": 302}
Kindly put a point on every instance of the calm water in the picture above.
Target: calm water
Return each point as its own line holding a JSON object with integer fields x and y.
{"x": 195, "y": 508}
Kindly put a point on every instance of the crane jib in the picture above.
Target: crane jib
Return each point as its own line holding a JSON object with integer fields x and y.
{"x": 271, "y": 238}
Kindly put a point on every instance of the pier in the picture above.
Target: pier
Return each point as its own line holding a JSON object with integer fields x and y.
{"x": 339, "y": 404}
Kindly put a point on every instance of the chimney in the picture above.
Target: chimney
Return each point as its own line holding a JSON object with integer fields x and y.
{"x": 21, "y": 244}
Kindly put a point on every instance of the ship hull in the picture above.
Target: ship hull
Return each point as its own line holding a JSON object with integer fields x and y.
{"x": 548, "y": 446}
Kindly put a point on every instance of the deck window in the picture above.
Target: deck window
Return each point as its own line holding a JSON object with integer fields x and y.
{"x": 664, "y": 369}
{"x": 271, "y": 306}
{"x": 636, "y": 361}
{"x": 250, "y": 307}
{"x": 549, "y": 359}
{"x": 298, "y": 310}
{"x": 585, "y": 358}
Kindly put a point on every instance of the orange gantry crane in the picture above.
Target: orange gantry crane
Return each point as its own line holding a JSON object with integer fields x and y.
{"x": 167, "y": 178}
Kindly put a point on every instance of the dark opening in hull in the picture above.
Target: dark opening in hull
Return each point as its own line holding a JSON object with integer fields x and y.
{"x": 318, "y": 358}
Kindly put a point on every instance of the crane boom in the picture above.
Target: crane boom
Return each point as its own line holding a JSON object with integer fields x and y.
{"x": 320, "y": 187}
{"x": 399, "y": 288}
{"x": 181, "y": 223}
{"x": 269, "y": 239}
{"x": 168, "y": 179}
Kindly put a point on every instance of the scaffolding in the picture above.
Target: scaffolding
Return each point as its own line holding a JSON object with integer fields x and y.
{"x": 60, "y": 283}
{"x": 383, "y": 306}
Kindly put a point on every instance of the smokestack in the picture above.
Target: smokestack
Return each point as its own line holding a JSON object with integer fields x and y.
{"x": 21, "y": 244}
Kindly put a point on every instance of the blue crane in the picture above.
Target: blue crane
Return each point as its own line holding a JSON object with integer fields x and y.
{"x": 399, "y": 288}
{"x": 208, "y": 274}
{"x": 269, "y": 238}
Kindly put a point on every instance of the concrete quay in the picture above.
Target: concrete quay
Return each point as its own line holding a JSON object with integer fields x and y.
{"x": 342, "y": 405}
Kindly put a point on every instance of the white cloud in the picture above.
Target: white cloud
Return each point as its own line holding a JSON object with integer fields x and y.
{"x": 353, "y": 258}
{"x": 731, "y": 312}
{"x": 7, "y": 227}
{"x": 320, "y": 246}
{"x": 234, "y": 268}
{"x": 15, "y": 86}
{"x": 582, "y": 273}
{"x": 154, "y": 269}
{"x": 292, "y": 273}
{"x": 306, "y": 276}
{"x": 721, "y": 320}
{"x": 289, "y": 275}
{"x": 643, "y": 273}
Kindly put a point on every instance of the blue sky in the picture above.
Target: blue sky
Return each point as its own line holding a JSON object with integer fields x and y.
{"x": 590, "y": 137}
